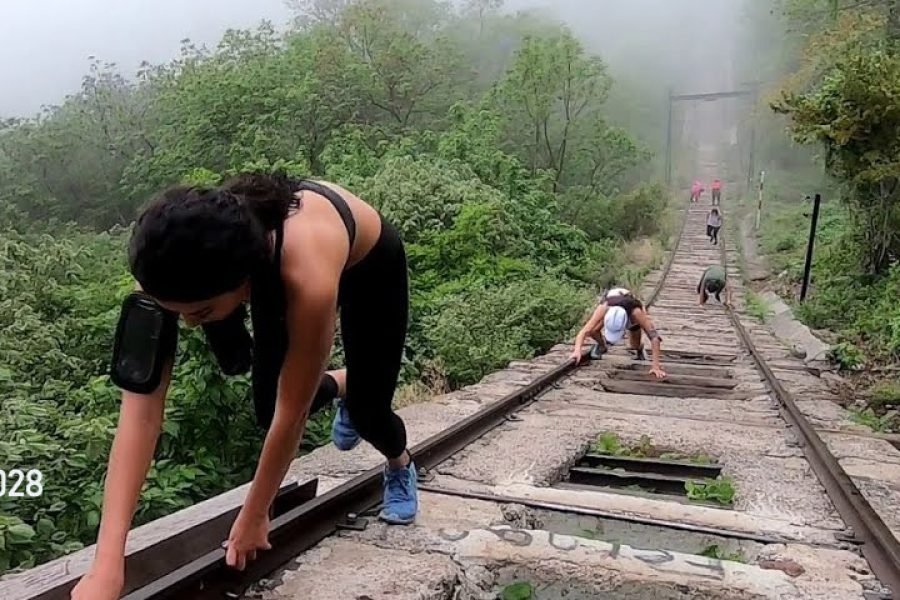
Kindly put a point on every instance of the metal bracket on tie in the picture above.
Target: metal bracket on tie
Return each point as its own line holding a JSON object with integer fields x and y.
{"x": 514, "y": 418}
{"x": 848, "y": 536}
{"x": 424, "y": 475}
{"x": 353, "y": 522}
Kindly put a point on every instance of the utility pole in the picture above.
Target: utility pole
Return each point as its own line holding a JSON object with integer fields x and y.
{"x": 751, "y": 169}
{"x": 807, "y": 268}
{"x": 752, "y": 159}
{"x": 762, "y": 182}
{"x": 669, "y": 144}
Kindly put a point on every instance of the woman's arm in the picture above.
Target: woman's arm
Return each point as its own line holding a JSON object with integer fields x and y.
{"x": 311, "y": 314}
{"x": 590, "y": 326}
{"x": 643, "y": 319}
{"x": 140, "y": 422}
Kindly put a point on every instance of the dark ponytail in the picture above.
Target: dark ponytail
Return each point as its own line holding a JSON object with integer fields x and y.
{"x": 268, "y": 196}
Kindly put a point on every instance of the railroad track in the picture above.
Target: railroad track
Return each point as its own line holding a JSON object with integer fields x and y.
{"x": 512, "y": 489}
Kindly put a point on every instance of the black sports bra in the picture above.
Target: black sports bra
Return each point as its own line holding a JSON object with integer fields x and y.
{"x": 336, "y": 199}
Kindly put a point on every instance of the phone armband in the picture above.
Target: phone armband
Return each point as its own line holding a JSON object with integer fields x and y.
{"x": 146, "y": 338}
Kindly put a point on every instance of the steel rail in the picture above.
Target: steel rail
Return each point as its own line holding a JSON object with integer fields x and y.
{"x": 651, "y": 299}
{"x": 299, "y": 529}
{"x": 878, "y": 545}
{"x": 152, "y": 562}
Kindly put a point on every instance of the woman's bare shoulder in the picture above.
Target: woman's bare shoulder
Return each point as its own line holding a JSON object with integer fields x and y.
{"x": 313, "y": 252}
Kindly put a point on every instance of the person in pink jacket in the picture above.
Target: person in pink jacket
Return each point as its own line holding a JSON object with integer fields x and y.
{"x": 696, "y": 191}
{"x": 716, "y": 192}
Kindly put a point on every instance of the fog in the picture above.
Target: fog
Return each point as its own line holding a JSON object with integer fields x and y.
{"x": 46, "y": 43}
{"x": 688, "y": 42}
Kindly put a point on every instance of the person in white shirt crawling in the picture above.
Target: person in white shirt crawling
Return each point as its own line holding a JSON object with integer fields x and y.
{"x": 620, "y": 310}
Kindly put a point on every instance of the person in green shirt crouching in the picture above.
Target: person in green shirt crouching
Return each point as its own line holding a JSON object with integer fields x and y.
{"x": 713, "y": 282}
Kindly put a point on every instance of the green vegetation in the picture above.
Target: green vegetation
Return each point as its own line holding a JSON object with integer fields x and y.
{"x": 755, "y": 306}
{"x": 836, "y": 72}
{"x": 847, "y": 356}
{"x": 870, "y": 419}
{"x": 482, "y": 136}
{"x": 720, "y": 490}
{"x": 609, "y": 443}
{"x": 520, "y": 590}
{"x": 713, "y": 551}
{"x": 885, "y": 394}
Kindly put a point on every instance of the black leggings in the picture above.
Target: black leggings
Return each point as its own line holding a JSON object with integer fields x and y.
{"x": 712, "y": 233}
{"x": 374, "y": 301}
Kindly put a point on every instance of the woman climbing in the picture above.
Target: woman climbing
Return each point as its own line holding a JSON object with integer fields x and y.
{"x": 696, "y": 190}
{"x": 713, "y": 224}
{"x": 298, "y": 251}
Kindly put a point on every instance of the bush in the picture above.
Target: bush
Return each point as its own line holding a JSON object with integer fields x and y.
{"x": 480, "y": 330}
{"x": 861, "y": 308}
{"x": 636, "y": 214}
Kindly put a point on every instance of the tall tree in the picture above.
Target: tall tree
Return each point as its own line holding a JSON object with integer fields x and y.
{"x": 309, "y": 13}
{"x": 554, "y": 84}
{"x": 408, "y": 66}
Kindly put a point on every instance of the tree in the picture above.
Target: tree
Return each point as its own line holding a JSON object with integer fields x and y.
{"x": 309, "y": 13}
{"x": 554, "y": 84}
{"x": 605, "y": 155}
{"x": 855, "y": 115}
{"x": 73, "y": 155}
{"x": 480, "y": 9}
{"x": 407, "y": 67}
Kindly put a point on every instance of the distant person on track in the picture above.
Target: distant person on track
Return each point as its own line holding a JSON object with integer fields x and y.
{"x": 713, "y": 225}
{"x": 714, "y": 281}
{"x": 619, "y": 311}
{"x": 298, "y": 251}
{"x": 696, "y": 191}
{"x": 716, "y": 188}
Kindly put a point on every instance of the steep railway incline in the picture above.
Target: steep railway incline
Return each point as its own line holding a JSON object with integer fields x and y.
{"x": 530, "y": 501}
{"x": 715, "y": 497}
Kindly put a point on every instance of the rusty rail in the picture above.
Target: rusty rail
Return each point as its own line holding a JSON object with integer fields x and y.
{"x": 671, "y": 259}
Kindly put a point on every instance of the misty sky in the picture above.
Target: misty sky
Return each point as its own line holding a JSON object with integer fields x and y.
{"x": 46, "y": 43}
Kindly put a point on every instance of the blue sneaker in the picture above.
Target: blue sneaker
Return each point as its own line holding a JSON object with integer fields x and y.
{"x": 401, "y": 496}
{"x": 343, "y": 434}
